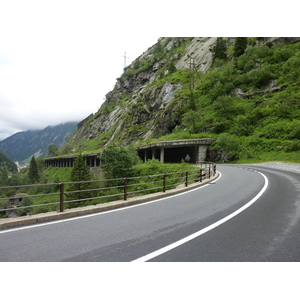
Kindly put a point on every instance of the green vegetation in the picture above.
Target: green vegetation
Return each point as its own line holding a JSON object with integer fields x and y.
{"x": 157, "y": 53}
{"x": 219, "y": 50}
{"x": 260, "y": 123}
{"x": 80, "y": 172}
{"x": 240, "y": 46}
{"x": 119, "y": 162}
{"x": 6, "y": 164}
{"x": 249, "y": 98}
{"x": 33, "y": 172}
{"x": 52, "y": 150}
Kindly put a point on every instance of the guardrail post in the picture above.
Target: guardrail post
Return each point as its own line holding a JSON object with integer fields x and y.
{"x": 61, "y": 200}
{"x": 164, "y": 180}
{"x": 200, "y": 175}
{"x": 125, "y": 188}
{"x": 186, "y": 178}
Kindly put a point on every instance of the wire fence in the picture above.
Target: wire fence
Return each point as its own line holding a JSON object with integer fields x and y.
{"x": 31, "y": 199}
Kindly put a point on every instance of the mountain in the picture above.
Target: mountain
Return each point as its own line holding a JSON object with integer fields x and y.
{"x": 23, "y": 145}
{"x": 244, "y": 92}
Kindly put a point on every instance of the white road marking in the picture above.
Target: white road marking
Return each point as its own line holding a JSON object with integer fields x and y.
{"x": 108, "y": 211}
{"x": 206, "y": 229}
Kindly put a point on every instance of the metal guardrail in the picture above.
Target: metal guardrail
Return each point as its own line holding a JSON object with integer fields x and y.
{"x": 125, "y": 187}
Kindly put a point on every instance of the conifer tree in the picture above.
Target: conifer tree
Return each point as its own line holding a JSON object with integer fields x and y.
{"x": 33, "y": 172}
{"x": 219, "y": 49}
{"x": 239, "y": 46}
{"x": 80, "y": 172}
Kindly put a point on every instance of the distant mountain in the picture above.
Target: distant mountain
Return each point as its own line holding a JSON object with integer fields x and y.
{"x": 22, "y": 145}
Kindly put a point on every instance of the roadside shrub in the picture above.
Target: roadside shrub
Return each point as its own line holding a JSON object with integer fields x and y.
{"x": 293, "y": 146}
{"x": 282, "y": 129}
{"x": 229, "y": 143}
{"x": 118, "y": 162}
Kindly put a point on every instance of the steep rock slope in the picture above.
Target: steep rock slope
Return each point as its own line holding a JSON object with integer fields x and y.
{"x": 142, "y": 104}
{"x": 151, "y": 97}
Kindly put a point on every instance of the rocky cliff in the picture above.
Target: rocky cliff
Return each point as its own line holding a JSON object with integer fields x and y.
{"x": 152, "y": 94}
{"x": 142, "y": 104}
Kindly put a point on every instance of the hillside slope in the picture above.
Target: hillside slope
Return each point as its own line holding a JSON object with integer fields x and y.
{"x": 179, "y": 88}
{"x": 23, "y": 145}
{"x": 6, "y": 162}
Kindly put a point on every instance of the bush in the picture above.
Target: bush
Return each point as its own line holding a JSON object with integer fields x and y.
{"x": 229, "y": 143}
{"x": 118, "y": 162}
{"x": 293, "y": 146}
{"x": 282, "y": 129}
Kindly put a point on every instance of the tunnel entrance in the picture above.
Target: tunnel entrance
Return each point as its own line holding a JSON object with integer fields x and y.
{"x": 175, "y": 151}
{"x": 179, "y": 154}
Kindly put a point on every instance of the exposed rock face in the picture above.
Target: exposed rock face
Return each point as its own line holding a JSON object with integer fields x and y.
{"x": 199, "y": 50}
{"x": 165, "y": 96}
{"x": 142, "y": 104}
{"x": 138, "y": 109}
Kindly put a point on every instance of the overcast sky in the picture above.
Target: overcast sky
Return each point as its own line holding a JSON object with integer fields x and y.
{"x": 59, "y": 58}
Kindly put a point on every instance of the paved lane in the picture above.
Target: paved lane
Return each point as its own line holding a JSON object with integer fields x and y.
{"x": 266, "y": 231}
{"x": 130, "y": 233}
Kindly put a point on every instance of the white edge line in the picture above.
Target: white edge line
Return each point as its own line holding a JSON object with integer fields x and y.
{"x": 204, "y": 230}
{"x": 108, "y": 211}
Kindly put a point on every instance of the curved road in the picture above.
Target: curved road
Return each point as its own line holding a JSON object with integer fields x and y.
{"x": 250, "y": 213}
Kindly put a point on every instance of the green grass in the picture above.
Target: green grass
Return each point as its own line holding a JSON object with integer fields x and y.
{"x": 292, "y": 157}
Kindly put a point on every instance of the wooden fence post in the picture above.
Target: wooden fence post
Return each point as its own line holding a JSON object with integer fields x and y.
{"x": 164, "y": 186}
{"x": 125, "y": 188}
{"x": 186, "y": 178}
{"x": 61, "y": 205}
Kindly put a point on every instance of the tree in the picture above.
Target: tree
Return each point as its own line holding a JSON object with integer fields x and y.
{"x": 239, "y": 46}
{"x": 219, "y": 50}
{"x": 4, "y": 176}
{"x": 157, "y": 48}
{"x": 33, "y": 172}
{"x": 229, "y": 143}
{"x": 137, "y": 64}
{"x": 189, "y": 120}
{"x": 171, "y": 66}
{"x": 117, "y": 162}
{"x": 80, "y": 172}
{"x": 52, "y": 150}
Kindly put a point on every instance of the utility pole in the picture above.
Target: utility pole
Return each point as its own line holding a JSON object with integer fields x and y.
{"x": 125, "y": 60}
{"x": 192, "y": 82}
{"x": 192, "y": 66}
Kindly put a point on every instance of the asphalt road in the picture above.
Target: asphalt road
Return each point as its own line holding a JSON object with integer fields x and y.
{"x": 250, "y": 213}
